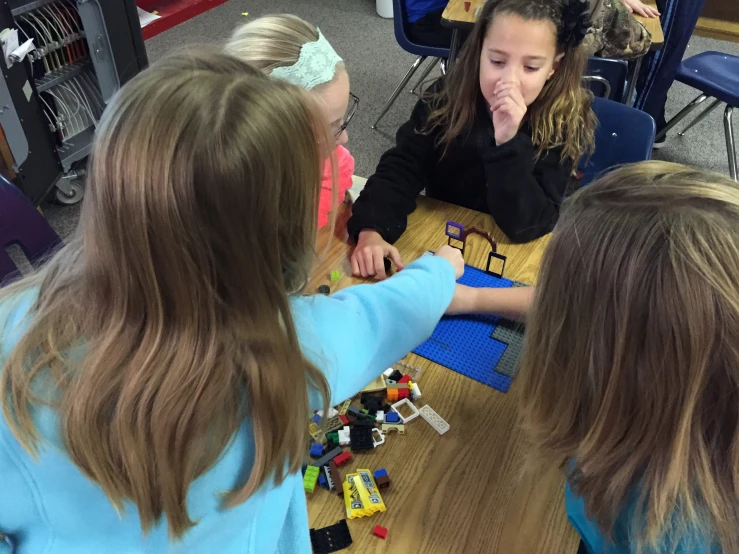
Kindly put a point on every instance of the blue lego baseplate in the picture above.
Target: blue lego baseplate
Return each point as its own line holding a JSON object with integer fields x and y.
{"x": 469, "y": 344}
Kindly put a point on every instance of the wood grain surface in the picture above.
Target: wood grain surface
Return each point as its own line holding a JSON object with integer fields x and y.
{"x": 464, "y": 491}
{"x": 455, "y": 15}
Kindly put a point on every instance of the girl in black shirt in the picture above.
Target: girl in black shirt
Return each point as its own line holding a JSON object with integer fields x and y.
{"x": 501, "y": 133}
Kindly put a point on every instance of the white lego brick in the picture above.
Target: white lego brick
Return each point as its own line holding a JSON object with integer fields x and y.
{"x": 332, "y": 412}
{"x": 415, "y": 392}
{"x": 380, "y": 417}
{"x": 329, "y": 480}
{"x": 407, "y": 402}
{"x": 377, "y": 441}
{"x": 434, "y": 419}
{"x": 344, "y": 439}
{"x": 320, "y": 413}
{"x": 388, "y": 372}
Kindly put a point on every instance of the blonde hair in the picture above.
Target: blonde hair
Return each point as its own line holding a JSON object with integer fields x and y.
{"x": 273, "y": 41}
{"x": 630, "y": 370}
{"x": 559, "y": 117}
{"x": 166, "y": 322}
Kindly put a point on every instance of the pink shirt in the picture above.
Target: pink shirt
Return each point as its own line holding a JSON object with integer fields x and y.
{"x": 345, "y": 172}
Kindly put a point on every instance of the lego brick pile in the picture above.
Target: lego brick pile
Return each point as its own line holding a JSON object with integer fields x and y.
{"x": 360, "y": 429}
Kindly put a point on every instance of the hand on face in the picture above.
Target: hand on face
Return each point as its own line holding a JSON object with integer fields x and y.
{"x": 507, "y": 109}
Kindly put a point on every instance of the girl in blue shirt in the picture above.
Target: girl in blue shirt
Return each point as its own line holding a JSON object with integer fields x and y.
{"x": 630, "y": 371}
{"x": 156, "y": 376}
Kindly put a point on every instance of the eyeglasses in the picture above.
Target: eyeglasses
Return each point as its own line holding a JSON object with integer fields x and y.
{"x": 351, "y": 110}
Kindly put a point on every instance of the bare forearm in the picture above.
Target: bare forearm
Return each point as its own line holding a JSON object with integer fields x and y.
{"x": 510, "y": 303}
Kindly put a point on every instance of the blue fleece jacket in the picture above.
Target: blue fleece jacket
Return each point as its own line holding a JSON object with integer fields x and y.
{"x": 50, "y": 507}
{"x": 596, "y": 543}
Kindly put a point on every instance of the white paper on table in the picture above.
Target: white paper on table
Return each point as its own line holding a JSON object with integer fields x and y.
{"x": 145, "y": 17}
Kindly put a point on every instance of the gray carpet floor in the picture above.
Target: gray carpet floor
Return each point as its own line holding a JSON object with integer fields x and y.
{"x": 376, "y": 65}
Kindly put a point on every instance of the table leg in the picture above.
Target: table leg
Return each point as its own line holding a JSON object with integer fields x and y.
{"x": 453, "y": 48}
{"x": 634, "y": 68}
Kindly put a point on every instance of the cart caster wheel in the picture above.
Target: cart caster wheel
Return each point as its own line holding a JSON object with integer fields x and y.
{"x": 69, "y": 199}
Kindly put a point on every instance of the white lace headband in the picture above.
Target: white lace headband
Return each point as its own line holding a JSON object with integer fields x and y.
{"x": 315, "y": 66}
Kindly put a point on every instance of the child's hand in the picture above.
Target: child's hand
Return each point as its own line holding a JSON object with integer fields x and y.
{"x": 508, "y": 110}
{"x": 369, "y": 256}
{"x": 637, "y": 7}
{"x": 453, "y": 256}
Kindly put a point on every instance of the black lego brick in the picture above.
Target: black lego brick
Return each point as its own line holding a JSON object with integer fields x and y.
{"x": 331, "y": 539}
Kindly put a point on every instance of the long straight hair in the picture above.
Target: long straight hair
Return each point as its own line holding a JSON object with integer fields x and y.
{"x": 630, "y": 370}
{"x": 165, "y": 322}
{"x": 560, "y": 116}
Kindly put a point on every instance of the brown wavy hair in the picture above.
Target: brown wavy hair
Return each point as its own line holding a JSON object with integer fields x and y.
{"x": 198, "y": 223}
{"x": 630, "y": 370}
{"x": 560, "y": 116}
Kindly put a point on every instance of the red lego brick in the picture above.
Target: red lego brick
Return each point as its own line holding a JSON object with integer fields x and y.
{"x": 467, "y": 6}
{"x": 379, "y": 531}
{"x": 344, "y": 419}
{"x": 403, "y": 393}
{"x": 342, "y": 458}
{"x": 404, "y": 379}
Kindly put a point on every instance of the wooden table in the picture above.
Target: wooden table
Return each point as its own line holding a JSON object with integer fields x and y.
{"x": 458, "y": 19}
{"x": 463, "y": 491}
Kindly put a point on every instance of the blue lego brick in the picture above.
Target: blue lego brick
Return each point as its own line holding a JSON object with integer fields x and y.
{"x": 322, "y": 480}
{"x": 316, "y": 419}
{"x": 316, "y": 450}
{"x": 466, "y": 344}
{"x": 382, "y": 472}
{"x": 392, "y": 417}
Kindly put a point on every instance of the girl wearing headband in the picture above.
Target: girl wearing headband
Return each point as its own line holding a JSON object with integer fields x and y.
{"x": 501, "y": 133}
{"x": 293, "y": 50}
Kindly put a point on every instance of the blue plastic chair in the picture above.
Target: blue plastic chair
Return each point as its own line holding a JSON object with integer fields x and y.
{"x": 606, "y": 78}
{"x": 400, "y": 21}
{"x": 716, "y": 75}
{"x": 624, "y": 135}
{"x": 22, "y": 224}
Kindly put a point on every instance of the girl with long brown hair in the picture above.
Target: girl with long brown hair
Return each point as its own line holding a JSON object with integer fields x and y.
{"x": 157, "y": 374}
{"x": 500, "y": 133}
{"x": 629, "y": 377}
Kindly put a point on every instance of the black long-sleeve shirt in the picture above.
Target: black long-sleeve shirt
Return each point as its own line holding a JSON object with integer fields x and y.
{"x": 522, "y": 194}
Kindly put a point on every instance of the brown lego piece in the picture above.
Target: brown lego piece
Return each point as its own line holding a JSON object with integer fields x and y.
{"x": 336, "y": 477}
{"x": 382, "y": 482}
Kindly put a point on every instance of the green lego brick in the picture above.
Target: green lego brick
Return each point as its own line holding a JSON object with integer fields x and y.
{"x": 335, "y": 276}
{"x": 310, "y": 478}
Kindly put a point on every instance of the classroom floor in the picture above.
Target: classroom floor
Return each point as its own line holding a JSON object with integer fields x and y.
{"x": 377, "y": 64}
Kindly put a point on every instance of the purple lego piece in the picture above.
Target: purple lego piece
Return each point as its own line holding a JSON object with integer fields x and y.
{"x": 450, "y": 230}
